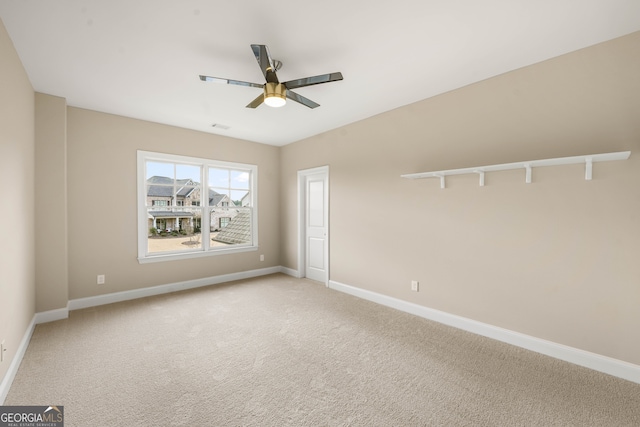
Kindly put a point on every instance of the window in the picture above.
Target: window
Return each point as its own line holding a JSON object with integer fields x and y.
{"x": 192, "y": 207}
{"x": 224, "y": 222}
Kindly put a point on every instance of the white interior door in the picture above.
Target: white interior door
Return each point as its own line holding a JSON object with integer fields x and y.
{"x": 316, "y": 227}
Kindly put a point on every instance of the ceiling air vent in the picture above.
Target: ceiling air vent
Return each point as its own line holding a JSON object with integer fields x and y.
{"x": 219, "y": 126}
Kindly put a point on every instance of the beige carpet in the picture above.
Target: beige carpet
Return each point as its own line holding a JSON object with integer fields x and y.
{"x": 278, "y": 351}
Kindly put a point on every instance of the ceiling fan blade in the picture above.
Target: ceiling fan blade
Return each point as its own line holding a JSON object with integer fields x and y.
{"x": 301, "y": 99}
{"x": 230, "y": 82}
{"x": 265, "y": 62}
{"x": 256, "y": 102}
{"x": 309, "y": 81}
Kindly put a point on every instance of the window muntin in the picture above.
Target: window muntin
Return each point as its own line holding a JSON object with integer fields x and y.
{"x": 174, "y": 207}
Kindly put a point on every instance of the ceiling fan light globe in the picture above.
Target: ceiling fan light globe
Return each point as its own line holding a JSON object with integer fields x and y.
{"x": 275, "y": 101}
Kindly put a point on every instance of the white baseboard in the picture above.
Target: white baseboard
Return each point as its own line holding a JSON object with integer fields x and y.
{"x": 5, "y": 385}
{"x": 79, "y": 303}
{"x": 597, "y": 362}
{"x": 290, "y": 272}
{"x": 51, "y": 315}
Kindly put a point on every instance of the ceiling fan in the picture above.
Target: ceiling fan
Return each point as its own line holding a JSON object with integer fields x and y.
{"x": 275, "y": 94}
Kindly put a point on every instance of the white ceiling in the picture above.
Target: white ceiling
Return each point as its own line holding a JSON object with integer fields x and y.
{"x": 142, "y": 58}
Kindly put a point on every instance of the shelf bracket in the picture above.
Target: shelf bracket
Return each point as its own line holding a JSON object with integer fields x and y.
{"x": 481, "y": 173}
{"x": 441, "y": 176}
{"x": 588, "y": 172}
{"x": 528, "y": 176}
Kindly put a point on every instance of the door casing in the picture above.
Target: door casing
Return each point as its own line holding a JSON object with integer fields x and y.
{"x": 302, "y": 219}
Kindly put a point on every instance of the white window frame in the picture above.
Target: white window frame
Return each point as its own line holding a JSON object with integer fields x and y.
{"x": 143, "y": 231}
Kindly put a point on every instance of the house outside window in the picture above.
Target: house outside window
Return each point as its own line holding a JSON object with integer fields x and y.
{"x": 178, "y": 195}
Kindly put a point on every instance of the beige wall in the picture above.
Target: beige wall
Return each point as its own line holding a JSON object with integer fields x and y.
{"x": 556, "y": 259}
{"x": 102, "y": 202}
{"x": 17, "y": 256}
{"x": 52, "y": 278}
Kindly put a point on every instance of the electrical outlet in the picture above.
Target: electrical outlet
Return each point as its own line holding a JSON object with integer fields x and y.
{"x": 3, "y": 348}
{"x": 414, "y": 285}
{"x": 100, "y": 279}
{"x": 261, "y": 257}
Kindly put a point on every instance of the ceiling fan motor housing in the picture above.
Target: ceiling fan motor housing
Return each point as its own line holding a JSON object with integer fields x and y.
{"x": 275, "y": 94}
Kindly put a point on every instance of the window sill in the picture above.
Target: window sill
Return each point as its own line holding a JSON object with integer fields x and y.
{"x": 190, "y": 255}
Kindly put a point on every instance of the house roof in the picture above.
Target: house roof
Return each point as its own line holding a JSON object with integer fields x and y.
{"x": 162, "y": 186}
{"x": 238, "y": 231}
{"x": 147, "y": 55}
{"x": 215, "y": 198}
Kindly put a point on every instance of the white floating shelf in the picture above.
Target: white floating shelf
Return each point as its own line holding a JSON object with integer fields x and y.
{"x": 526, "y": 166}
